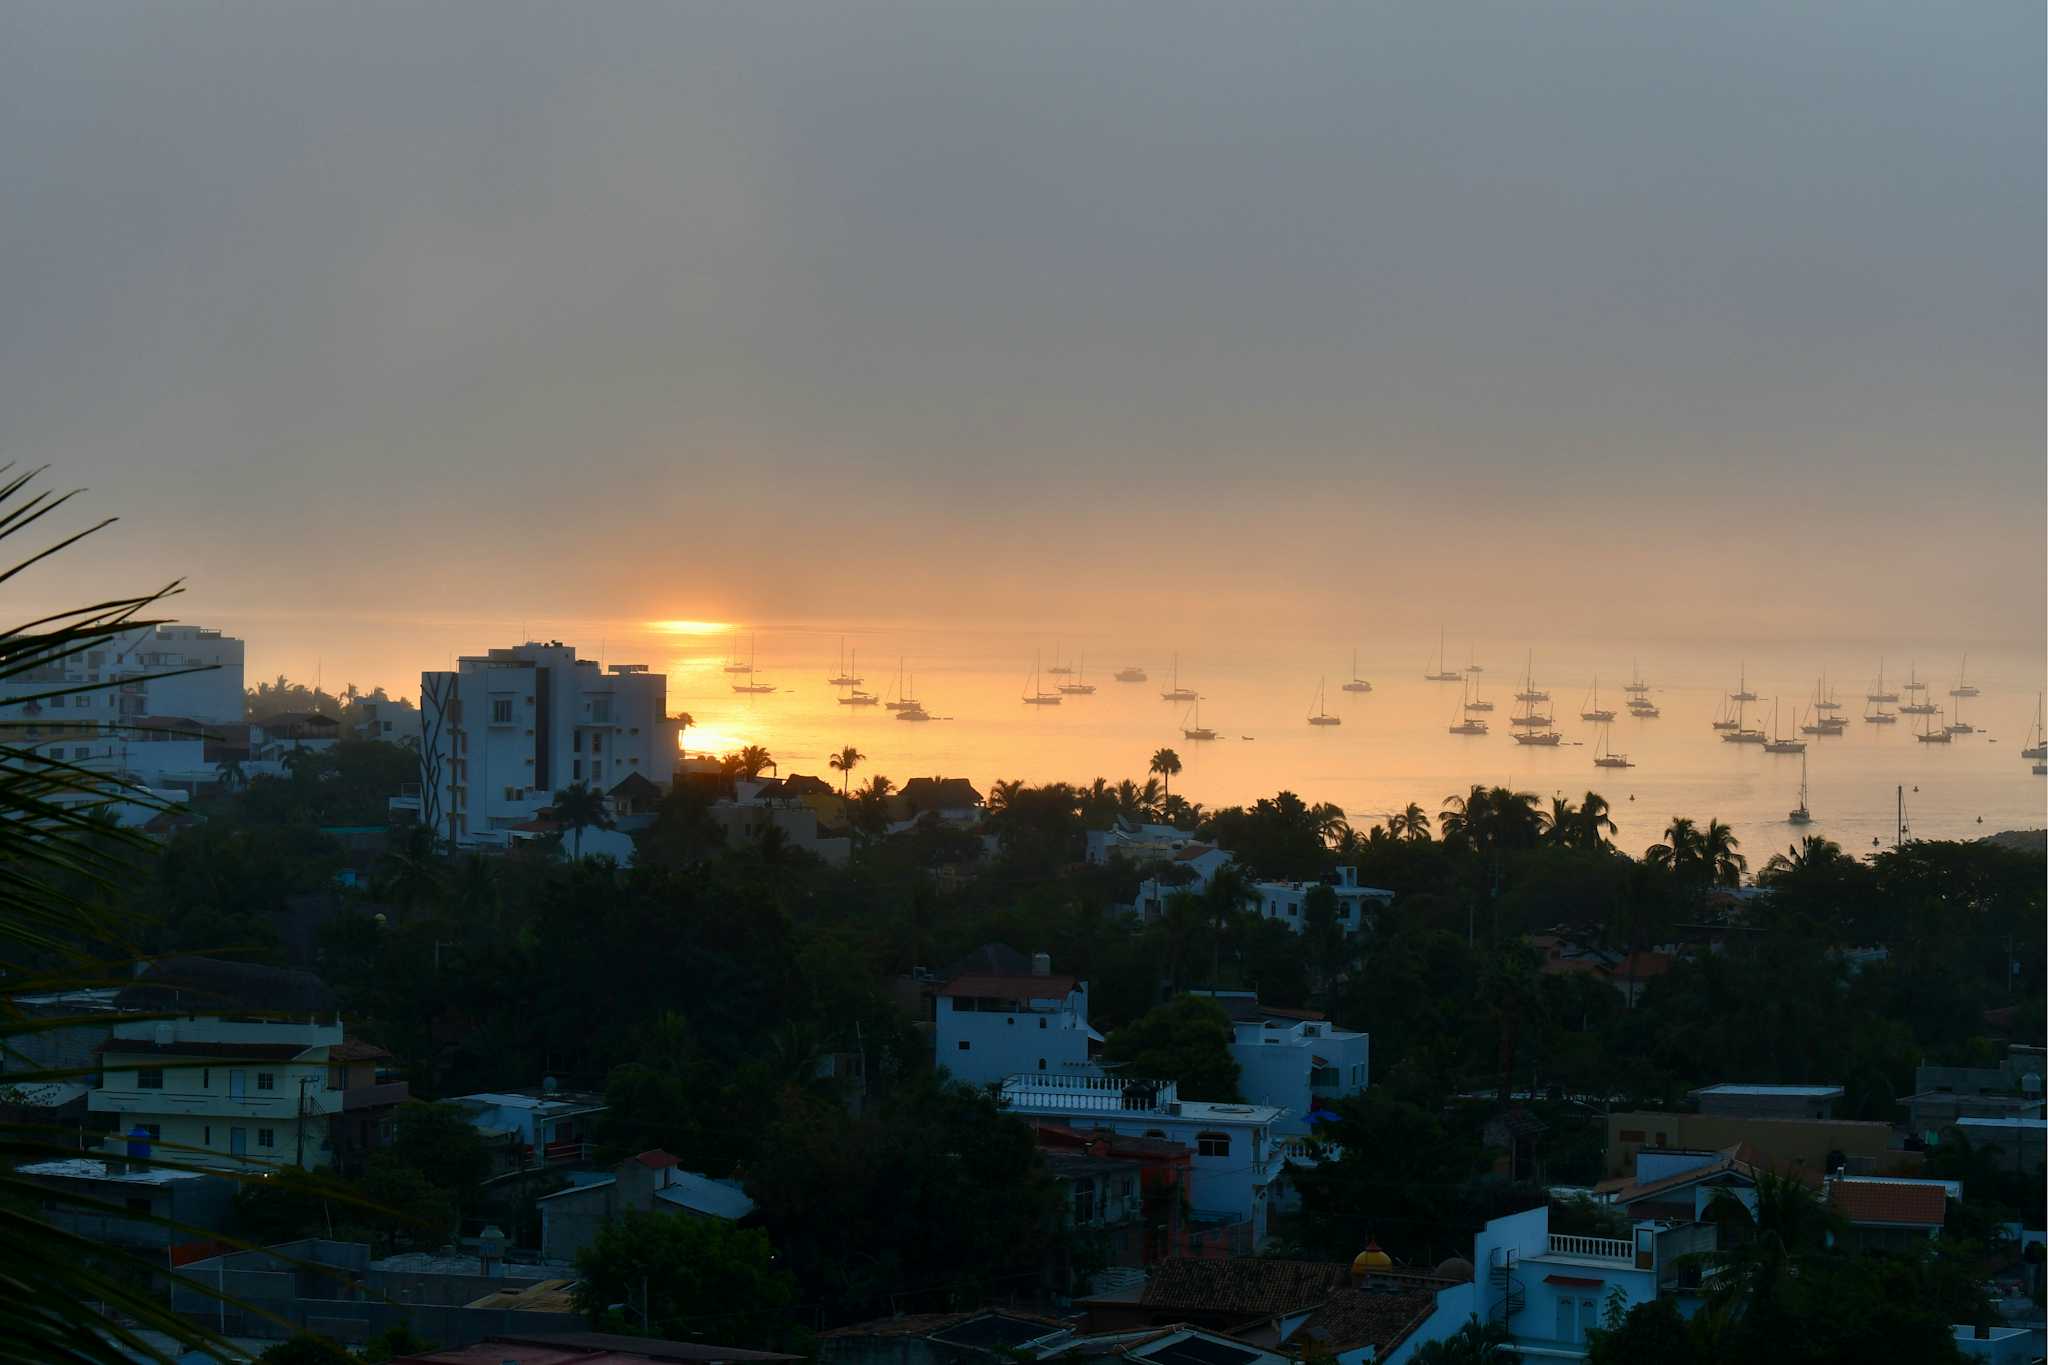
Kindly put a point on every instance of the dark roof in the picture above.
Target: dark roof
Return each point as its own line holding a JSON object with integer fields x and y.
{"x": 1252, "y": 1286}
{"x": 1010, "y": 987}
{"x": 1202, "y": 1350}
{"x": 951, "y": 1324}
{"x": 253, "y": 1051}
{"x": 1866, "y": 1201}
{"x": 939, "y": 793}
{"x": 995, "y": 1331}
{"x": 1379, "y": 1314}
{"x": 356, "y": 1050}
{"x": 600, "y": 1346}
{"x": 207, "y": 985}
{"x": 635, "y": 787}
{"x": 991, "y": 959}
{"x": 805, "y": 784}
{"x": 655, "y": 1160}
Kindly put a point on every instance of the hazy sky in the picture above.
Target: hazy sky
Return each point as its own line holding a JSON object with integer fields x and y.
{"x": 1728, "y": 314}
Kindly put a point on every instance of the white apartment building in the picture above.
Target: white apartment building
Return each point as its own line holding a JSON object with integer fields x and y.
{"x": 990, "y": 1027}
{"x": 504, "y": 731}
{"x": 1292, "y": 1061}
{"x": 1233, "y": 1147}
{"x": 1287, "y": 901}
{"x": 85, "y": 727}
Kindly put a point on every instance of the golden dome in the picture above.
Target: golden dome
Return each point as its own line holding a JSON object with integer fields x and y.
{"x": 1370, "y": 1259}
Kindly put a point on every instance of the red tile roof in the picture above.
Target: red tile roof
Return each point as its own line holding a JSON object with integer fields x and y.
{"x": 355, "y": 1050}
{"x": 1010, "y": 987}
{"x": 1864, "y": 1201}
{"x": 1379, "y": 1314}
{"x": 655, "y": 1160}
{"x": 1253, "y": 1286}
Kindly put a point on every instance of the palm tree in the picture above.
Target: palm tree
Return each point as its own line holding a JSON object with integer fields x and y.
{"x": 414, "y": 873}
{"x": 228, "y": 772}
{"x": 1330, "y": 823}
{"x": 1680, "y": 851}
{"x": 843, "y": 763}
{"x": 1002, "y": 793}
{"x": 1594, "y": 823}
{"x": 753, "y": 759}
{"x": 1130, "y": 804}
{"x": 61, "y": 1299}
{"x": 1226, "y": 894}
{"x": 1763, "y": 1247}
{"x": 1465, "y": 817}
{"x": 1414, "y": 823}
{"x": 1810, "y": 854}
{"x": 1717, "y": 848}
{"x": 578, "y": 808}
{"x": 1560, "y": 822}
{"x": 1149, "y": 797}
{"x": 684, "y": 720}
{"x": 1166, "y": 763}
{"x": 1476, "y": 1343}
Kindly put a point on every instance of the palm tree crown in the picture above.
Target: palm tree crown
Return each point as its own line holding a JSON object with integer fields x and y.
{"x": 843, "y": 763}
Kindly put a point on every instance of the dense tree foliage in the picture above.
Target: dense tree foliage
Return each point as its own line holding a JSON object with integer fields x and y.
{"x": 1187, "y": 1042}
{"x": 686, "y": 1278}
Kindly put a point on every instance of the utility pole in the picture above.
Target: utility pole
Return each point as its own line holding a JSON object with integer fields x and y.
{"x": 304, "y": 1081}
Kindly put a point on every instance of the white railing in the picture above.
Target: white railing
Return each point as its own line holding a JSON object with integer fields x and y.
{"x": 1593, "y": 1248}
{"x": 1089, "y": 1091}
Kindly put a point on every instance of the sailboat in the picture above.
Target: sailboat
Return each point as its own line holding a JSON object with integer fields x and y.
{"x": 1593, "y": 711}
{"x": 1635, "y": 685}
{"x": 1827, "y": 700}
{"x": 1642, "y": 708}
{"x": 1920, "y": 705}
{"x": 1822, "y": 724}
{"x": 1549, "y": 739}
{"x": 1357, "y": 684}
{"x": 1726, "y": 717}
{"x": 1878, "y": 692}
{"x": 1800, "y": 815}
{"x": 1197, "y": 731}
{"x": 1322, "y": 716}
{"x": 908, "y": 707}
{"x": 1742, "y": 692}
{"x": 1038, "y": 696}
{"x": 1959, "y": 726}
{"x": 1777, "y": 743}
{"x": 1530, "y": 692}
{"x": 1604, "y": 755}
{"x": 1913, "y": 683}
{"x": 1058, "y": 669}
{"x": 1080, "y": 686}
{"x": 1741, "y": 733}
{"x": 846, "y": 677}
{"x": 750, "y": 687}
{"x": 1931, "y": 734}
{"x": 1177, "y": 692}
{"x": 1462, "y": 724}
{"x": 1964, "y": 687}
{"x": 1131, "y": 674}
{"x": 1440, "y": 675}
{"x": 2037, "y": 742}
{"x": 1880, "y": 716}
{"x": 904, "y": 701}
{"x": 1475, "y": 702}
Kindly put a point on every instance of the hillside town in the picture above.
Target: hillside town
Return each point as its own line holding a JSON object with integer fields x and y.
{"x": 502, "y": 1027}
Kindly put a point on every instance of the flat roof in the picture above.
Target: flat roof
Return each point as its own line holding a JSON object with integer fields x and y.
{"x": 1232, "y": 1113}
{"x": 2014, "y": 1122}
{"x": 84, "y": 1168}
{"x": 1817, "y": 1092}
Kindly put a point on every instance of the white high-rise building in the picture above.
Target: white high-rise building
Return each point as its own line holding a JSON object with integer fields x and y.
{"x": 105, "y": 729}
{"x": 504, "y": 731}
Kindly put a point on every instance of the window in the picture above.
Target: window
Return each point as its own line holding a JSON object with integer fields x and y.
{"x": 266, "y": 1080}
{"x": 1124, "y": 1187}
{"x": 266, "y": 1137}
{"x": 1660, "y": 1139}
{"x": 963, "y": 1045}
{"x": 139, "y": 1207}
{"x": 1041, "y": 1063}
{"x": 597, "y": 744}
{"x": 501, "y": 710}
{"x": 1155, "y": 1132}
{"x": 576, "y": 770}
{"x": 206, "y": 1136}
{"x": 1084, "y": 1202}
{"x": 1041, "y": 1023}
{"x": 238, "y": 1141}
{"x": 601, "y": 710}
{"x": 150, "y": 1078}
{"x": 1212, "y": 1144}
{"x": 1631, "y": 1135}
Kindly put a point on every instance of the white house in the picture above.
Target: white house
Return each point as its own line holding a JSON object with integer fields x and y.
{"x": 1232, "y": 1146}
{"x": 1194, "y": 866}
{"x": 1134, "y": 842}
{"x": 504, "y": 731}
{"x": 1550, "y": 1288}
{"x": 1292, "y": 1059}
{"x": 992, "y": 1025}
{"x": 545, "y": 1125}
{"x": 1287, "y": 901}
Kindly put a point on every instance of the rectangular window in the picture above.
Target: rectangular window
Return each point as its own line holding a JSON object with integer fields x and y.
{"x": 597, "y": 744}
{"x": 139, "y": 1207}
{"x": 150, "y": 1078}
{"x": 266, "y": 1137}
{"x": 601, "y": 710}
{"x": 963, "y": 1045}
{"x": 1212, "y": 1144}
{"x": 238, "y": 1141}
{"x": 1631, "y": 1135}
{"x": 576, "y": 770}
{"x": 501, "y": 710}
{"x": 266, "y": 1080}
{"x": 206, "y": 1136}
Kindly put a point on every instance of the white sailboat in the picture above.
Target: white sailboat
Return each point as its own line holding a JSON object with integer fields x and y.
{"x": 1959, "y": 726}
{"x": 1635, "y": 686}
{"x": 1880, "y": 716}
{"x": 1726, "y": 716}
{"x": 1642, "y": 708}
{"x": 1464, "y": 724}
{"x": 1474, "y": 702}
{"x": 1357, "y": 684}
{"x": 1058, "y": 669}
{"x": 907, "y": 706}
{"x": 1594, "y": 712}
{"x": 1879, "y": 692}
{"x": 1604, "y": 755}
{"x": 1930, "y": 733}
{"x": 750, "y": 687}
{"x": 904, "y": 700}
{"x": 1038, "y": 696}
{"x": 846, "y": 677}
{"x": 1198, "y": 731}
{"x": 1530, "y": 691}
{"x": 1080, "y": 686}
{"x": 1964, "y": 687}
{"x": 1441, "y": 674}
{"x": 2037, "y": 742}
{"x": 1800, "y": 815}
{"x": 1176, "y": 692}
{"x": 1548, "y": 739}
{"x": 1740, "y": 733}
{"x": 1742, "y": 693}
{"x": 1321, "y": 716}
{"x": 1777, "y": 743}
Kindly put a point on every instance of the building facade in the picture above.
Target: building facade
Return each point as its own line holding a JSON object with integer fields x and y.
{"x": 1287, "y": 902}
{"x": 991, "y": 1026}
{"x": 502, "y": 732}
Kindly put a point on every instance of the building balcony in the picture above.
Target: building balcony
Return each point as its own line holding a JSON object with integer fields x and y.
{"x": 1593, "y": 1248}
{"x": 374, "y": 1096}
{"x": 176, "y": 1103}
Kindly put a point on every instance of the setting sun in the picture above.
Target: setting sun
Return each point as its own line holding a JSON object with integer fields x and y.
{"x": 690, "y": 627}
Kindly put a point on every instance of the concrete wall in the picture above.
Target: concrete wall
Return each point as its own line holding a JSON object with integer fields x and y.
{"x": 1802, "y": 1142}
{"x": 1010, "y": 1044}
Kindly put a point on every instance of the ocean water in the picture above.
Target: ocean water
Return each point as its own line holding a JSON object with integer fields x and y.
{"x": 1393, "y": 746}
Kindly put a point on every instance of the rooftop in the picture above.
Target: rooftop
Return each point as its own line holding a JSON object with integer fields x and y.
{"x": 1890, "y": 1204}
{"x": 1024, "y": 987}
{"x": 1253, "y": 1286}
{"x": 583, "y": 1348}
{"x": 1812, "y": 1092}
{"x": 84, "y": 1168}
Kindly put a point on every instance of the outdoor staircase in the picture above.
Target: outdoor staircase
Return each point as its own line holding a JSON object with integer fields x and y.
{"x": 1508, "y": 1295}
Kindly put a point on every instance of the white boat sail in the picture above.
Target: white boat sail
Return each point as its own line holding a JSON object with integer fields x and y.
{"x": 1321, "y": 716}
